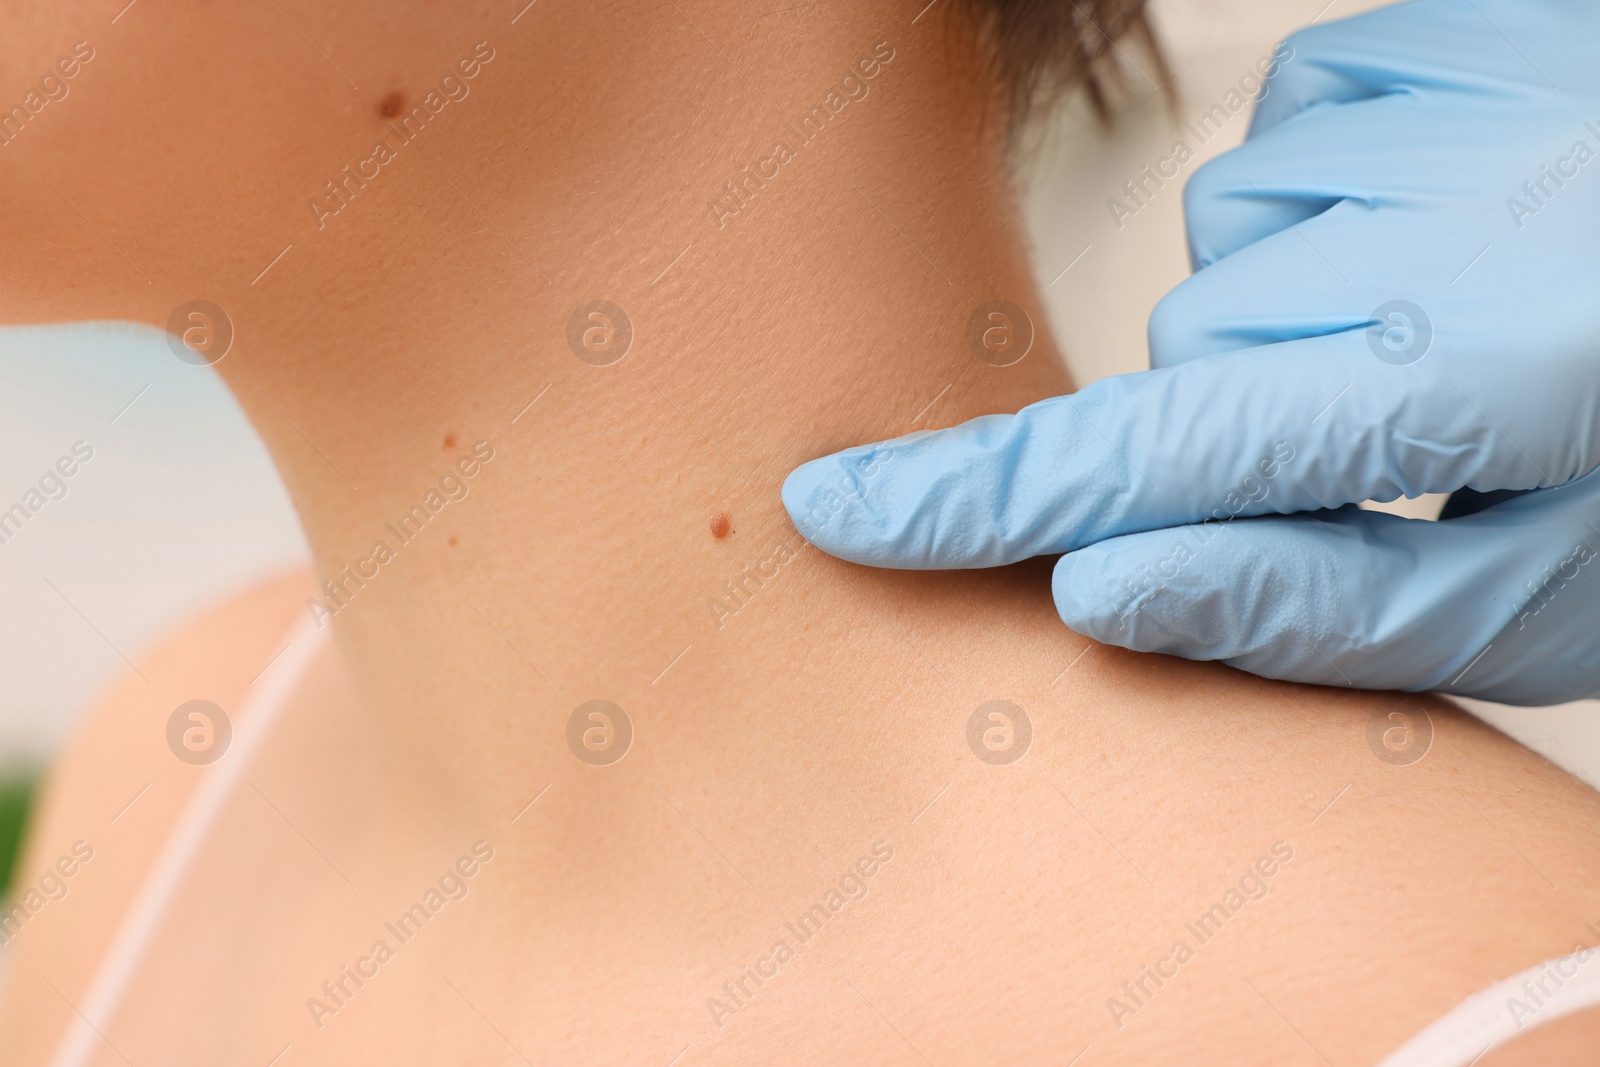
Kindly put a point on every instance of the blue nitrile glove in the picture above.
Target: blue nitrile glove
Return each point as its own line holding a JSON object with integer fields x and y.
{"x": 1397, "y": 295}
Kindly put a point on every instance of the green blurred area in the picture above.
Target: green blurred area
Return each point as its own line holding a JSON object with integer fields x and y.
{"x": 16, "y": 794}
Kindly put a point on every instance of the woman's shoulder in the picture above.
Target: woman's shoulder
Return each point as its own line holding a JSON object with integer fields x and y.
{"x": 112, "y": 794}
{"x": 215, "y": 656}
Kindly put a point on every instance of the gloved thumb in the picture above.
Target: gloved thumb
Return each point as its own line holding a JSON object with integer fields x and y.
{"x": 1494, "y": 605}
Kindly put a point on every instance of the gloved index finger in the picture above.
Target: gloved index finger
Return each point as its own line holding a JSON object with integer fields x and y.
{"x": 1300, "y": 426}
{"x": 987, "y": 492}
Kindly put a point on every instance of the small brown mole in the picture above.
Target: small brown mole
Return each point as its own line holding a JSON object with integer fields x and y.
{"x": 449, "y": 441}
{"x": 721, "y": 525}
{"x": 390, "y": 105}
{"x": 453, "y": 541}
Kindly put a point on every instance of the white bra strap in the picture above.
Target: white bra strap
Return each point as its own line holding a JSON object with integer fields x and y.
{"x": 1507, "y": 1009}
{"x": 253, "y": 723}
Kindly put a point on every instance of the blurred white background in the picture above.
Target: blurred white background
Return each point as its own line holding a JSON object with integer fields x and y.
{"x": 180, "y": 506}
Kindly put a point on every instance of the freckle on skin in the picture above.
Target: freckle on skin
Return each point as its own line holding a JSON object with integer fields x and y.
{"x": 721, "y": 526}
{"x": 452, "y": 540}
{"x": 449, "y": 441}
{"x": 390, "y": 105}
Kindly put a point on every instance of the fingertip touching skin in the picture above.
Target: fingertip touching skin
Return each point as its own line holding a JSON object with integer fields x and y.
{"x": 981, "y": 494}
{"x": 1323, "y": 425}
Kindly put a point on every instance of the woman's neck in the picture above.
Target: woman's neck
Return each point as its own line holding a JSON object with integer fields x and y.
{"x": 509, "y": 526}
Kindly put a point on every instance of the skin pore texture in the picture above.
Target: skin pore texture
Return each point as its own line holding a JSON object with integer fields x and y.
{"x": 800, "y": 736}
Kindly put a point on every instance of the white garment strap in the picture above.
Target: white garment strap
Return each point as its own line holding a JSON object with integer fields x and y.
{"x": 252, "y": 725}
{"x": 1505, "y": 1010}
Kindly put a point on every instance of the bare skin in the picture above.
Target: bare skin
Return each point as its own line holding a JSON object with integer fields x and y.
{"x": 779, "y": 739}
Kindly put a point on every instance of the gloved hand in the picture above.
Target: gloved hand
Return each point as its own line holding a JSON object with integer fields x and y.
{"x": 1398, "y": 292}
